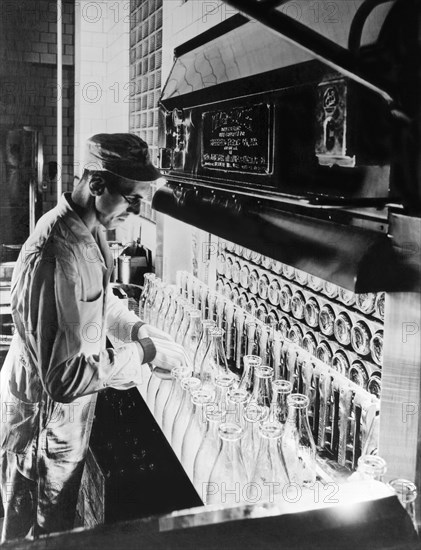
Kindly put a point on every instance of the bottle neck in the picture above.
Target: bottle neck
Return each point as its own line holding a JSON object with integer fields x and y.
{"x": 298, "y": 417}
{"x": 223, "y": 385}
{"x": 279, "y": 407}
{"x": 246, "y": 382}
{"x": 230, "y": 448}
{"x": 262, "y": 390}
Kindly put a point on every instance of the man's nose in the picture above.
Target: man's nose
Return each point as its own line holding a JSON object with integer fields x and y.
{"x": 134, "y": 208}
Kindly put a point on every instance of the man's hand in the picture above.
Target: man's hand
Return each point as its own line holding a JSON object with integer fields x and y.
{"x": 149, "y": 331}
{"x": 168, "y": 355}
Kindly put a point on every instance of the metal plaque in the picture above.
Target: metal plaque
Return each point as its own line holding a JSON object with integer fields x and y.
{"x": 237, "y": 140}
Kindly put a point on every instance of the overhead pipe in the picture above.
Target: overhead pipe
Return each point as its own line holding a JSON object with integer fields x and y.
{"x": 327, "y": 51}
{"x": 59, "y": 99}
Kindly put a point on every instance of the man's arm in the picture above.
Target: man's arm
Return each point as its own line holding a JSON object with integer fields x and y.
{"x": 67, "y": 335}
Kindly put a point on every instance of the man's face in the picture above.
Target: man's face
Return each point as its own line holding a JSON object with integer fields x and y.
{"x": 119, "y": 199}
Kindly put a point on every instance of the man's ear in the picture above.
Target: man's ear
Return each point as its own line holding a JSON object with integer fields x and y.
{"x": 96, "y": 185}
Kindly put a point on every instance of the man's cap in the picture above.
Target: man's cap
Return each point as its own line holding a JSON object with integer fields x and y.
{"x": 124, "y": 155}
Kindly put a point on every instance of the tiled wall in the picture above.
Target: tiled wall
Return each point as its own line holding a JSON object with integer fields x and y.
{"x": 102, "y": 84}
{"x": 28, "y": 37}
{"x": 145, "y": 69}
{"x": 102, "y": 90}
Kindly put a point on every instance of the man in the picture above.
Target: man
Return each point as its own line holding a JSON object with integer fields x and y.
{"x": 63, "y": 309}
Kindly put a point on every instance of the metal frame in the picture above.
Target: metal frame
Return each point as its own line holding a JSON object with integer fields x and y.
{"x": 327, "y": 51}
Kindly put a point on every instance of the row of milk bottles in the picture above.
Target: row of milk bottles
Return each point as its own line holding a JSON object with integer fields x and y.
{"x": 242, "y": 440}
{"x": 239, "y": 440}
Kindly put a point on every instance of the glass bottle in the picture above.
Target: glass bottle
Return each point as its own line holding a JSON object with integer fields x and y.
{"x": 270, "y": 472}
{"x": 324, "y": 353}
{"x": 347, "y": 297}
{"x": 301, "y": 277}
{"x": 284, "y": 326}
{"x": 263, "y": 343}
{"x": 174, "y": 399}
{"x": 379, "y": 306}
{"x": 376, "y": 347}
{"x": 183, "y": 415}
{"x": 250, "y": 362}
{"x": 297, "y": 305}
{"x": 296, "y": 335}
{"x": 273, "y": 292}
{"x": 253, "y": 282}
{"x": 340, "y": 362}
{"x": 277, "y": 267}
{"x": 244, "y": 276}
{"x": 214, "y": 362}
{"x": 171, "y": 312}
{"x": 406, "y": 492}
{"x": 220, "y": 311}
{"x": 150, "y": 299}
{"x": 207, "y": 452}
{"x": 312, "y": 312}
{"x": 239, "y": 337}
{"x": 230, "y": 335}
{"x": 327, "y": 320}
{"x": 250, "y": 344}
{"x": 157, "y": 304}
{"x": 195, "y": 430}
{"x": 148, "y": 278}
{"x": 253, "y": 416}
{"x": 360, "y": 338}
{"x": 192, "y": 336}
{"x": 310, "y": 343}
{"x": 297, "y": 442}
{"x": 366, "y": 302}
{"x": 276, "y": 350}
{"x": 285, "y": 296}
{"x": 315, "y": 283}
{"x": 185, "y": 322}
{"x": 178, "y": 316}
{"x": 228, "y": 476}
{"x": 238, "y": 400}
{"x": 220, "y": 264}
{"x": 212, "y": 299}
{"x": 251, "y": 307}
{"x": 153, "y": 386}
{"x": 358, "y": 374}
{"x": 342, "y": 329}
{"x": 181, "y": 282}
{"x": 220, "y": 289}
{"x": 288, "y": 272}
{"x": 262, "y": 386}
{"x": 189, "y": 288}
{"x": 204, "y": 301}
{"x": 369, "y": 467}
{"x": 374, "y": 384}
{"x": 267, "y": 262}
{"x": 169, "y": 293}
{"x": 262, "y": 312}
{"x": 204, "y": 340}
{"x": 223, "y": 384}
{"x": 161, "y": 397}
{"x": 228, "y": 268}
{"x": 235, "y": 272}
{"x": 279, "y": 407}
{"x": 263, "y": 287}
{"x": 330, "y": 289}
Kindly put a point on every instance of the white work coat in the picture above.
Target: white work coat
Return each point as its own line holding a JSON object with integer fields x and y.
{"x": 63, "y": 309}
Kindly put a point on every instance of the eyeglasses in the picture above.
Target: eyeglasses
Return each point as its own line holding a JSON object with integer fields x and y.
{"x": 133, "y": 200}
